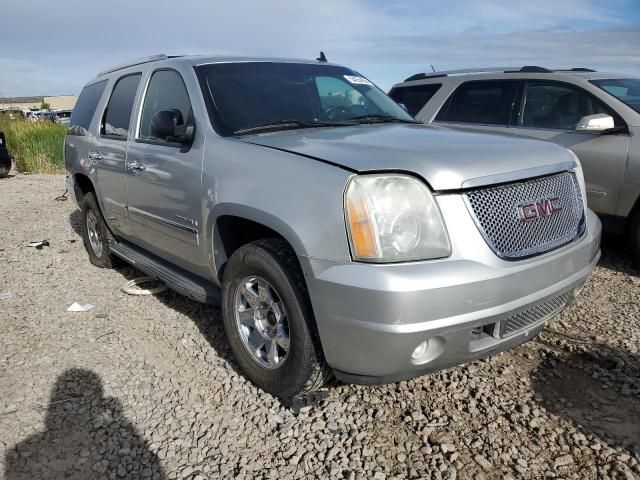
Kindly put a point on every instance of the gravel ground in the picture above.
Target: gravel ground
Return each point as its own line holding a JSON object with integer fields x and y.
{"x": 145, "y": 387}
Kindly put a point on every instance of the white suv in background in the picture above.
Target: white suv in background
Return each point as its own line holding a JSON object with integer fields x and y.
{"x": 595, "y": 115}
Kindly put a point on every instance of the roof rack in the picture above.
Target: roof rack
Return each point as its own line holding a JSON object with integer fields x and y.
{"x": 131, "y": 63}
{"x": 525, "y": 69}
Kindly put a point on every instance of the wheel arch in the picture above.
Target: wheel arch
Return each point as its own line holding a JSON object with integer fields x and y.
{"x": 231, "y": 226}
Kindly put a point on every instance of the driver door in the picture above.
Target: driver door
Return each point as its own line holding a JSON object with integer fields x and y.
{"x": 164, "y": 178}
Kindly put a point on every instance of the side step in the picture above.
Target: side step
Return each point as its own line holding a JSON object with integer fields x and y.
{"x": 176, "y": 278}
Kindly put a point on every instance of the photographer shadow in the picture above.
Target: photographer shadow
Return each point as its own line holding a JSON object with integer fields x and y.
{"x": 86, "y": 436}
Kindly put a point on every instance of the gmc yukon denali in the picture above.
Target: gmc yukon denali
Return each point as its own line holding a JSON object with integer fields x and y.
{"x": 339, "y": 235}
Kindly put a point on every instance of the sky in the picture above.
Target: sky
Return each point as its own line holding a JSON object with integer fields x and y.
{"x": 53, "y": 48}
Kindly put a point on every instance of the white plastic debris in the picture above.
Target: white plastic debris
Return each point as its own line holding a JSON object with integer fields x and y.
{"x": 76, "y": 307}
{"x": 132, "y": 287}
{"x": 5, "y": 295}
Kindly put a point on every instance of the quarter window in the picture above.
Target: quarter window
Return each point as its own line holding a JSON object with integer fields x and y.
{"x": 487, "y": 102}
{"x": 117, "y": 116}
{"x": 557, "y": 106}
{"x": 414, "y": 97}
{"x": 166, "y": 91}
{"x": 87, "y": 104}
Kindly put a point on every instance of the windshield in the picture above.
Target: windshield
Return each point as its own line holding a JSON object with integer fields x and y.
{"x": 626, "y": 90}
{"x": 246, "y": 95}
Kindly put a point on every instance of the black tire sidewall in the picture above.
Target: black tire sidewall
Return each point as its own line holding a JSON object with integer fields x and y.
{"x": 291, "y": 377}
{"x": 90, "y": 203}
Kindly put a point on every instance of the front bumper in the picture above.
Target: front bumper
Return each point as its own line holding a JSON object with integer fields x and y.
{"x": 371, "y": 318}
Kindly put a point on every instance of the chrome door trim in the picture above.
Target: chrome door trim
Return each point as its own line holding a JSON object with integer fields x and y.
{"x": 163, "y": 220}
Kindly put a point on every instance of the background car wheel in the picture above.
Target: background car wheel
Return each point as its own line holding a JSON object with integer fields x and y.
{"x": 269, "y": 321}
{"x": 96, "y": 236}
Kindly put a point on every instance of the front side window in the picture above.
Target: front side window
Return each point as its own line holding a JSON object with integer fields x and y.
{"x": 244, "y": 97}
{"x": 627, "y": 90}
{"x": 414, "y": 97}
{"x": 485, "y": 102}
{"x": 117, "y": 116}
{"x": 87, "y": 104}
{"x": 556, "y": 106}
{"x": 166, "y": 92}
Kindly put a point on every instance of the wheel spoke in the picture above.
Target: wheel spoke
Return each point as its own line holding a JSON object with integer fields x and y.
{"x": 278, "y": 311}
{"x": 272, "y": 353}
{"x": 264, "y": 292}
{"x": 250, "y": 296}
{"x": 257, "y": 340}
{"x": 282, "y": 341}
{"x": 247, "y": 317}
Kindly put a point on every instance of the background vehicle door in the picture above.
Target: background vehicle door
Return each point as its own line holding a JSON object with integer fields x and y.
{"x": 109, "y": 150}
{"x": 164, "y": 178}
{"x": 480, "y": 105}
{"x": 550, "y": 111}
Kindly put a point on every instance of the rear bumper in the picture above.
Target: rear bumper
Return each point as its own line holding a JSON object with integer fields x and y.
{"x": 371, "y": 318}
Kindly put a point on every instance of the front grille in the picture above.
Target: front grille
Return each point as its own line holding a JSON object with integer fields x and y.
{"x": 497, "y": 212}
{"x": 521, "y": 320}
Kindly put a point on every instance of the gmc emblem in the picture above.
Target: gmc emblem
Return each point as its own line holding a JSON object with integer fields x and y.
{"x": 540, "y": 208}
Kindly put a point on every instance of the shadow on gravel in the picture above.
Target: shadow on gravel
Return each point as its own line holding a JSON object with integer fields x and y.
{"x": 75, "y": 220}
{"x": 616, "y": 255}
{"x": 598, "y": 391}
{"x": 86, "y": 436}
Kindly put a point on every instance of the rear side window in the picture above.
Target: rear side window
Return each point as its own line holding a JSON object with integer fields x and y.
{"x": 87, "y": 104}
{"x": 166, "y": 91}
{"x": 117, "y": 116}
{"x": 487, "y": 102}
{"x": 414, "y": 97}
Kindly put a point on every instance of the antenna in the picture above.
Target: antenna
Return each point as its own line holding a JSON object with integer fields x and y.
{"x": 322, "y": 58}
{"x": 433, "y": 69}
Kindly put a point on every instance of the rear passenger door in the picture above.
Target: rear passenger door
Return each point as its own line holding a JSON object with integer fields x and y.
{"x": 164, "y": 178}
{"x": 109, "y": 151}
{"x": 480, "y": 105}
{"x": 550, "y": 110}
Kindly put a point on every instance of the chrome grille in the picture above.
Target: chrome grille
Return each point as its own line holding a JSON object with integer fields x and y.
{"x": 497, "y": 213}
{"x": 528, "y": 317}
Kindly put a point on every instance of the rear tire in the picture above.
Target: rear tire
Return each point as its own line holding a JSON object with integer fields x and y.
{"x": 266, "y": 307}
{"x": 96, "y": 236}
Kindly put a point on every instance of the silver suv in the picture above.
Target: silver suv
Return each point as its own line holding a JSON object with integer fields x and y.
{"x": 338, "y": 234}
{"x": 595, "y": 115}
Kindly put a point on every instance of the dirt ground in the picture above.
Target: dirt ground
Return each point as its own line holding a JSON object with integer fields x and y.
{"x": 145, "y": 387}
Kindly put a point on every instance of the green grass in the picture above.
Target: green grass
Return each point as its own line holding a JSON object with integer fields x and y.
{"x": 35, "y": 146}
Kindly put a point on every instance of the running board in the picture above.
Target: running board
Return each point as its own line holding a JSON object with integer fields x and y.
{"x": 176, "y": 278}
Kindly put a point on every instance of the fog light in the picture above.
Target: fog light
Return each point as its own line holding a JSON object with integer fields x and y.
{"x": 420, "y": 350}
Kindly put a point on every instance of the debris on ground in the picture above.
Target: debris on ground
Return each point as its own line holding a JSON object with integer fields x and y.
{"x": 38, "y": 244}
{"x": 5, "y": 295}
{"x": 77, "y": 307}
{"x": 132, "y": 287}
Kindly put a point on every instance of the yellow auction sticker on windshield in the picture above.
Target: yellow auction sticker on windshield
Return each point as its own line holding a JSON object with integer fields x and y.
{"x": 357, "y": 80}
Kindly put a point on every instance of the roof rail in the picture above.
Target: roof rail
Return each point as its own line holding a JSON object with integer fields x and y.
{"x": 131, "y": 63}
{"x": 576, "y": 69}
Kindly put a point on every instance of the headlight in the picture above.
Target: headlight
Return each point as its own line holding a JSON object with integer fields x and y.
{"x": 394, "y": 218}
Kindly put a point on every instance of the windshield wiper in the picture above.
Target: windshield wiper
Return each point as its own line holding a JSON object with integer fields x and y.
{"x": 378, "y": 118}
{"x": 289, "y": 125}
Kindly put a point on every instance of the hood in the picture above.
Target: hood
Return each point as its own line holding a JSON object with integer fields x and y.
{"x": 446, "y": 159}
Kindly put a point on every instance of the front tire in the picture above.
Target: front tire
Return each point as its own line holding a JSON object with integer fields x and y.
{"x": 269, "y": 321}
{"x": 96, "y": 236}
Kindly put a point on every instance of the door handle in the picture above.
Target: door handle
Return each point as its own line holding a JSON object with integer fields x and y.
{"x": 136, "y": 166}
{"x": 95, "y": 156}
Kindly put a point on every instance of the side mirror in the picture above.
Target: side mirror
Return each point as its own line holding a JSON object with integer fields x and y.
{"x": 170, "y": 126}
{"x": 597, "y": 123}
